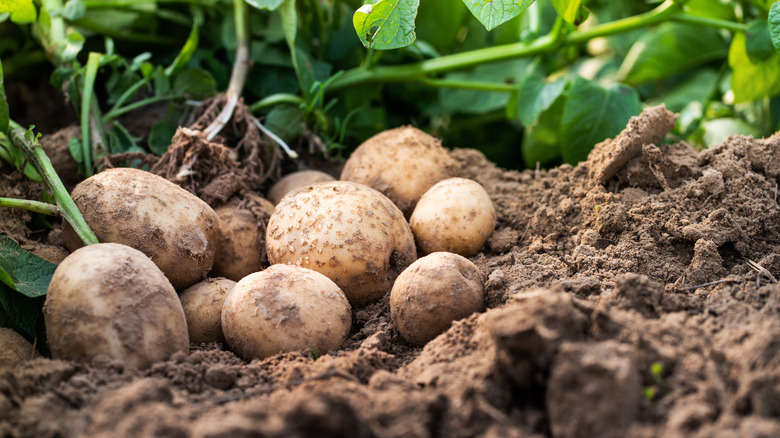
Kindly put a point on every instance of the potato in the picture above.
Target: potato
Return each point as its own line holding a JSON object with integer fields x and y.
{"x": 285, "y": 308}
{"x": 401, "y": 163}
{"x": 14, "y": 349}
{"x": 432, "y": 293}
{"x": 350, "y": 232}
{"x": 296, "y": 180}
{"x": 173, "y": 227}
{"x": 111, "y": 299}
{"x": 202, "y": 303}
{"x": 240, "y": 248}
{"x": 455, "y": 215}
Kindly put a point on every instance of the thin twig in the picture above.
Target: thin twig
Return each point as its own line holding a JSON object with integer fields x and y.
{"x": 761, "y": 270}
{"x": 698, "y": 286}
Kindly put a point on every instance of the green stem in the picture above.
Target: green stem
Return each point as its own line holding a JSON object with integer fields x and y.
{"x": 470, "y": 85}
{"x": 93, "y": 62}
{"x": 119, "y": 34}
{"x": 276, "y": 99}
{"x": 682, "y": 17}
{"x": 548, "y": 43}
{"x": 35, "y": 155}
{"x": 126, "y": 95}
{"x": 34, "y": 206}
{"x": 116, "y": 112}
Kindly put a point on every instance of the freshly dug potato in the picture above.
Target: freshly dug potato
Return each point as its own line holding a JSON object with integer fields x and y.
{"x": 14, "y": 348}
{"x": 296, "y": 180}
{"x": 432, "y": 293}
{"x": 173, "y": 227}
{"x": 285, "y": 308}
{"x": 401, "y": 163}
{"x": 350, "y": 232}
{"x": 240, "y": 248}
{"x": 202, "y": 303}
{"x": 113, "y": 300}
{"x": 455, "y": 215}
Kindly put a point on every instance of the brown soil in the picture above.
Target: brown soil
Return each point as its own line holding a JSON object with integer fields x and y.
{"x": 632, "y": 295}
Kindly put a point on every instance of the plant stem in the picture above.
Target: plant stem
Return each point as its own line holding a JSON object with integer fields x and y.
{"x": 240, "y": 68}
{"x": 469, "y": 85}
{"x": 35, "y": 155}
{"x": 545, "y": 44}
{"x": 34, "y": 206}
{"x": 276, "y": 99}
{"x": 116, "y": 112}
{"x": 733, "y": 26}
{"x": 126, "y": 95}
{"x": 93, "y": 62}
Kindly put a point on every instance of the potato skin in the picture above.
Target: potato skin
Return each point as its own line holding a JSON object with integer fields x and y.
{"x": 285, "y": 308}
{"x": 432, "y": 293}
{"x": 113, "y": 300}
{"x": 349, "y": 232}
{"x": 171, "y": 226}
{"x": 455, "y": 215}
{"x": 294, "y": 181}
{"x": 402, "y": 163}
{"x": 202, "y": 303}
{"x": 14, "y": 349}
{"x": 240, "y": 247}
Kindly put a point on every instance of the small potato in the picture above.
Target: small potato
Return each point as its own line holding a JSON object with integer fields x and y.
{"x": 240, "y": 248}
{"x": 455, "y": 215}
{"x": 14, "y": 349}
{"x": 285, "y": 308}
{"x": 170, "y": 225}
{"x": 401, "y": 163}
{"x": 296, "y": 180}
{"x": 350, "y": 232}
{"x": 432, "y": 293}
{"x": 202, "y": 303}
{"x": 110, "y": 299}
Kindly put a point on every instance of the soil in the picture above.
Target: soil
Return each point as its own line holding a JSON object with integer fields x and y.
{"x": 635, "y": 294}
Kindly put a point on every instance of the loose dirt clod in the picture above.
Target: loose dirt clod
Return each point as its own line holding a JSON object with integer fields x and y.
{"x": 627, "y": 276}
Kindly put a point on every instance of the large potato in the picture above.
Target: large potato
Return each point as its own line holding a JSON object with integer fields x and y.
{"x": 202, "y": 303}
{"x": 296, "y": 180}
{"x": 173, "y": 227}
{"x": 432, "y": 293}
{"x": 240, "y": 248}
{"x": 285, "y": 308}
{"x": 111, "y": 299}
{"x": 455, "y": 215}
{"x": 350, "y": 232}
{"x": 401, "y": 163}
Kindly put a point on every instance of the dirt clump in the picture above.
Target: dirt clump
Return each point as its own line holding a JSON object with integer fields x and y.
{"x": 634, "y": 294}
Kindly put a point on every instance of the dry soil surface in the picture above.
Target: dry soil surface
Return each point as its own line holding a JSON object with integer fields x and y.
{"x": 635, "y": 294}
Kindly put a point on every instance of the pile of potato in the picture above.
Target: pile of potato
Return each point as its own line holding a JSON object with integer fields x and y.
{"x": 331, "y": 245}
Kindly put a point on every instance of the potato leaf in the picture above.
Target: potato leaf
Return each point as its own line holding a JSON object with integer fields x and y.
{"x": 537, "y": 95}
{"x": 492, "y": 13}
{"x": 593, "y": 113}
{"x": 749, "y": 80}
{"x": 774, "y": 25}
{"x": 22, "y": 11}
{"x": 22, "y": 271}
{"x": 4, "y": 117}
{"x": 387, "y": 24}
{"x": 542, "y": 138}
{"x": 23, "y": 311}
{"x": 758, "y": 42}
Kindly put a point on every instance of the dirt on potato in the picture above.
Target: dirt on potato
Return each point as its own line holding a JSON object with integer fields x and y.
{"x": 635, "y": 294}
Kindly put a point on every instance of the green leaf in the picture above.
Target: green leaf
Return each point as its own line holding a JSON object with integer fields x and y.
{"x": 774, "y": 25}
{"x": 185, "y": 54}
{"x": 25, "y": 312}
{"x": 758, "y": 42}
{"x": 699, "y": 87}
{"x": 74, "y": 9}
{"x": 751, "y": 81}
{"x": 387, "y": 24}
{"x": 270, "y": 5}
{"x": 467, "y": 101}
{"x": 541, "y": 142}
{"x": 714, "y": 131}
{"x": 22, "y": 11}
{"x": 194, "y": 83}
{"x": 668, "y": 49}
{"x": 22, "y": 271}
{"x": 160, "y": 136}
{"x": 4, "y": 115}
{"x": 120, "y": 140}
{"x": 567, "y": 9}
{"x": 593, "y": 113}
{"x": 536, "y": 96}
{"x": 286, "y": 121}
{"x": 492, "y": 13}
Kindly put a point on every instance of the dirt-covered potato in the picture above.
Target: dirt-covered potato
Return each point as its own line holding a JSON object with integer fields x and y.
{"x": 455, "y": 215}
{"x": 240, "y": 248}
{"x": 173, "y": 227}
{"x": 14, "y": 348}
{"x": 350, "y": 232}
{"x": 401, "y": 163}
{"x": 296, "y": 180}
{"x": 285, "y": 308}
{"x": 202, "y": 303}
{"x": 110, "y": 299}
{"x": 432, "y": 293}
